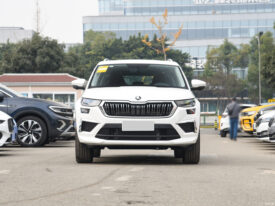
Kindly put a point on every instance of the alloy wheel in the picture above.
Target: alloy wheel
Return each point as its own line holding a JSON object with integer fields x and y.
{"x": 29, "y": 132}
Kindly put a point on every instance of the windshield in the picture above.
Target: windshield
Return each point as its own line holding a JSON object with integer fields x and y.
{"x": 138, "y": 75}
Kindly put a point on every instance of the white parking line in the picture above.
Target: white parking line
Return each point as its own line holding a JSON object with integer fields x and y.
{"x": 108, "y": 188}
{"x": 136, "y": 169}
{"x": 268, "y": 172}
{"x": 4, "y": 172}
{"x": 124, "y": 178}
{"x": 96, "y": 194}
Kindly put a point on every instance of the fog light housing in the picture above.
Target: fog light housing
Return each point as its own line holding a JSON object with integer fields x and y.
{"x": 191, "y": 111}
{"x": 188, "y": 127}
{"x": 85, "y": 110}
{"x": 87, "y": 126}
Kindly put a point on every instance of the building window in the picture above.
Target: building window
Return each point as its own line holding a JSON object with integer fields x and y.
{"x": 65, "y": 98}
{"x": 43, "y": 96}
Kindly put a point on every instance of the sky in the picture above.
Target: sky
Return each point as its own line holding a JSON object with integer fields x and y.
{"x": 59, "y": 19}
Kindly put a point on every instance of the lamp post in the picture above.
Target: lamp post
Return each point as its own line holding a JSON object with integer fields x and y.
{"x": 259, "y": 65}
{"x": 196, "y": 65}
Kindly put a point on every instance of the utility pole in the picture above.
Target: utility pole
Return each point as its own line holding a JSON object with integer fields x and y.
{"x": 259, "y": 65}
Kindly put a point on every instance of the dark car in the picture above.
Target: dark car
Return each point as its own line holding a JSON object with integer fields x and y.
{"x": 39, "y": 121}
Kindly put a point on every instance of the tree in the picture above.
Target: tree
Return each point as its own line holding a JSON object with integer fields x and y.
{"x": 85, "y": 57}
{"x": 268, "y": 59}
{"x": 222, "y": 58}
{"x": 36, "y": 55}
{"x": 7, "y": 53}
{"x": 222, "y": 83}
{"x": 162, "y": 47}
{"x": 267, "y": 69}
{"x": 95, "y": 38}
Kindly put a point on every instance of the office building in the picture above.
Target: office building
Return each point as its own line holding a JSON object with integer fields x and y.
{"x": 14, "y": 34}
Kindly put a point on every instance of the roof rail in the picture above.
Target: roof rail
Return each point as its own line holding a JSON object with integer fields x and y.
{"x": 170, "y": 60}
{"x": 106, "y": 59}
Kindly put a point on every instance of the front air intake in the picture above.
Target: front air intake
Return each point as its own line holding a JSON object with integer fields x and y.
{"x": 188, "y": 127}
{"x": 87, "y": 126}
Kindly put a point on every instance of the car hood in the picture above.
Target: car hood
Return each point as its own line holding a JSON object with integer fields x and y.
{"x": 132, "y": 93}
{"x": 269, "y": 114}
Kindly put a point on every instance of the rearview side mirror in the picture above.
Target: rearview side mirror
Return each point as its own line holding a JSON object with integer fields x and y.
{"x": 79, "y": 84}
{"x": 198, "y": 84}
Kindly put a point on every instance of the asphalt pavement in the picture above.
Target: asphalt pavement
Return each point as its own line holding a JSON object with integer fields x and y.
{"x": 230, "y": 173}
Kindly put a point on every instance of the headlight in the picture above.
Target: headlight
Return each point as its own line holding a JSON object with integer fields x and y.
{"x": 250, "y": 113}
{"x": 64, "y": 111}
{"x": 90, "y": 102}
{"x": 186, "y": 103}
{"x": 266, "y": 119}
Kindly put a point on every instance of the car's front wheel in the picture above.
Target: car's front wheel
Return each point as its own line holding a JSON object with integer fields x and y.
{"x": 192, "y": 153}
{"x": 83, "y": 154}
{"x": 32, "y": 132}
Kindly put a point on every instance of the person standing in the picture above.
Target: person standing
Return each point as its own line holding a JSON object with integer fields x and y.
{"x": 233, "y": 109}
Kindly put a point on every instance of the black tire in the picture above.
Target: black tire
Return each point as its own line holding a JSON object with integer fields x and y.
{"x": 97, "y": 152}
{"x": 83, "y": 154}
{"x": 223, "y": 133}
{"x": 192, "y": 153}
{"x": 179, "y": 152}
{"x": 32, "y": 132}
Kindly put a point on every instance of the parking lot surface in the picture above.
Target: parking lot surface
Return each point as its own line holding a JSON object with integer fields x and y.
{"x": 229, "y": 173}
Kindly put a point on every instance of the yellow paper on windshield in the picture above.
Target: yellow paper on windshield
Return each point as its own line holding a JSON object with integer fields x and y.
{"x": 102, "y": 69}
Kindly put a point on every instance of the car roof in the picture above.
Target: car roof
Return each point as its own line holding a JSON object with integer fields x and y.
{"x": 268, "y": 108}
{"x": 257, "y": 108}
{"x": 138, "y": 61}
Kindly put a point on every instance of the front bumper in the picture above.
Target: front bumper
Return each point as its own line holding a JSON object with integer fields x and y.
{"x": 96, "y": 116}
{"x": 6, "y": 129}
{"x": 271, "y": 133}
{"x": 61, "y": 127}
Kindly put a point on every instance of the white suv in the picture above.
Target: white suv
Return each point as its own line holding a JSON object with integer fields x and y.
{"x": 138, "y": 104}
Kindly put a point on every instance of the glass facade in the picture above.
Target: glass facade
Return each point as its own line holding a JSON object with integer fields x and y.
{"x": 192, "y": 30}
{"x": 187, "y": 8}
{"x": 108, "y": 6}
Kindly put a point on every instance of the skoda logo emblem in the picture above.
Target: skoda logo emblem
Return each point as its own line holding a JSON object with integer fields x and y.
{"x": 138, "y": 97}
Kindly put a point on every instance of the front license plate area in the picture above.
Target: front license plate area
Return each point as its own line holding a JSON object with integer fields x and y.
{"x": 130, "y": 126}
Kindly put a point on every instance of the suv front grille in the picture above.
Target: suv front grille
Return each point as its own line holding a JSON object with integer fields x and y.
{"x": 149, "y": 109}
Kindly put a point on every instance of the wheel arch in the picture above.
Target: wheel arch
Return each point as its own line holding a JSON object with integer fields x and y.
{"x": 32, "y": 112}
